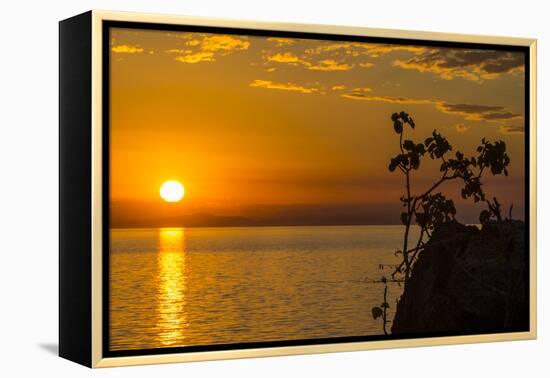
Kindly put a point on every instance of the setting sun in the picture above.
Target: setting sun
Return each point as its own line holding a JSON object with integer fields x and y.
{"x": 172, "y": 191}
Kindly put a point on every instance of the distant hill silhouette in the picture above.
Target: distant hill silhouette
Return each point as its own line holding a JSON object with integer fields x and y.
{"x": 133, "y": 214}
{"x": 193, "y": 220}
{"x": 143, "y": 214}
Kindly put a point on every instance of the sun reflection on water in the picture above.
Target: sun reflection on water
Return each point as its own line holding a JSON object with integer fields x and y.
{"x": 171, "y": 286}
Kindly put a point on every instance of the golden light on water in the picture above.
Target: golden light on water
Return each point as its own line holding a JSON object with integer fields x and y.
{"x": 198, "y": 286}
{"x": 172, "y": 191}
{"x": 171, "y": 286}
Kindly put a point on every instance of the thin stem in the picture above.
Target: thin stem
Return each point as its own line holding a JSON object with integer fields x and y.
{"x": 385, "y": 306}
{"x": 407, "y": 227}
{"x": 443, "y": 178}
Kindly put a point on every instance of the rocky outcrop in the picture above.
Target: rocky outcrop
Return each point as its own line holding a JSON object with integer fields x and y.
{"x": 468, "y": 280}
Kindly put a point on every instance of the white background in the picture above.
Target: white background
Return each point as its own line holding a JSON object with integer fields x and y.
{"x": 29, "y": 188}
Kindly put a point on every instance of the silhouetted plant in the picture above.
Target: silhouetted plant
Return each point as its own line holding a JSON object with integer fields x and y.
{"x": 429, "y": 209}
{"x": 382, "y": 311}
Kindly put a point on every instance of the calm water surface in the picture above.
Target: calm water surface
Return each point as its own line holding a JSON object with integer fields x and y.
{"x": 202, "y": 286}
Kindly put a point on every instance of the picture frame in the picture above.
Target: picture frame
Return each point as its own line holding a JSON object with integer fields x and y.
{"x": 86, "y": 105}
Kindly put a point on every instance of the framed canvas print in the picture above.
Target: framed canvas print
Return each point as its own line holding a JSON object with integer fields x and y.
{"x": 235, "y": 189}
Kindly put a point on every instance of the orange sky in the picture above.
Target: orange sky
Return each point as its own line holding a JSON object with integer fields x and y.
{"x": 283, "y": 129}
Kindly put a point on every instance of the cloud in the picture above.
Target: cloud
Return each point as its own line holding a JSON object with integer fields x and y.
{"x": 377, "y": 50}
{"x": 330, "y": 65}
{"x": 206, "y": 47}
{"x": 360, "y": 91}
{"x": 218, "y": 42}
{"x": 501, "y": 115}
{"x": 366, "y": 65}
{"x": 329, "y": 47}
{"x": 461, "y": 128}
{"x": 468, "y": 108}
{"x": 193, "y": 42}
{"x": 323, "y": 65}
{"x": 467, "y": 64}
{"x": 361, "y": 94}
{"x": 179, "y": 51}
{"x": 286, "y": 57}
{"x": 126, "y": 49}
{"x": 338, "y": 87}
{"x": 512, "y": 129}
{"x": 283, "y": 86}
{"x": 446, "y": 63}
{"x": 477, "y": 112}
{"x": 281, "y": 41}
{"x": 224, "y": 43}
{"x": 374, "y": 50}
{"x": 335, "y": 56}
{"x": 472, "y": 112}
{"x": 196, "y": 58}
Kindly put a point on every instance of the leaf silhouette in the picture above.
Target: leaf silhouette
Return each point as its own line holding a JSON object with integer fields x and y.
{"x": 377, "y": 312}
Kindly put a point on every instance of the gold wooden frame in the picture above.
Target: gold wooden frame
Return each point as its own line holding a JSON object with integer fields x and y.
{"x": 97, "y": 356}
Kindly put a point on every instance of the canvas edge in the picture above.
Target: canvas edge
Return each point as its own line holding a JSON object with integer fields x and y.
{"x": 533, "y": 187}
{"x": 98, "y": 16}
{"x": 97, "y": 192}
{"x": 74, "y": 125}
{"x": 310, "y": 28}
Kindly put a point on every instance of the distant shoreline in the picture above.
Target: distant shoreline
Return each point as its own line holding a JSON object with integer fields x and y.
{"x": 270, "y": 226}
{"x": 257, "y": 226}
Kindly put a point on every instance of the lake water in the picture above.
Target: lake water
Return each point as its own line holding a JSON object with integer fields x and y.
{"x": 203, "y": 286}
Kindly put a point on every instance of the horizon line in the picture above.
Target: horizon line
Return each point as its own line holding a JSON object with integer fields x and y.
{"x": 264, "y": 226}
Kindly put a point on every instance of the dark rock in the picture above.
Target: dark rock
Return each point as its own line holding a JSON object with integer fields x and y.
{"x": 467, "y": 280}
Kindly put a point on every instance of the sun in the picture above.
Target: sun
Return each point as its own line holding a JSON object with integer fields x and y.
{"x": 172, "y": 191}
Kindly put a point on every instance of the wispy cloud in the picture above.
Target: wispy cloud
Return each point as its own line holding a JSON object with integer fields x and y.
{"x": 467, "y": 64}
{"x": 193, "y": 42}
{"x": 334, "y": 56}
{"x": 286, "y": 57}
{"x": 225, "y": 43}
{"x": 126, "y": 49}
{"x": 501, "y": 115}
{"x": 512, "y": 129}
{"x": 330, "y": 65}
{"x": 355, "y": 49}
{"x": 461, "y": 128}
{"x": 196, "y": 57}
{"x": 361, "y": 94}
{"x": 281, "y": 41}
{"x": 206, "y": 47}
{"x": 179, "y": 51}
{"x": 377, "y": 50}
{"x": 477, "y": 112}
{"x": 268, "y": 84}
{"x": 472, "y": 112}
{"x": 323, "y": 65}
{"x": 366, "y": 65}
